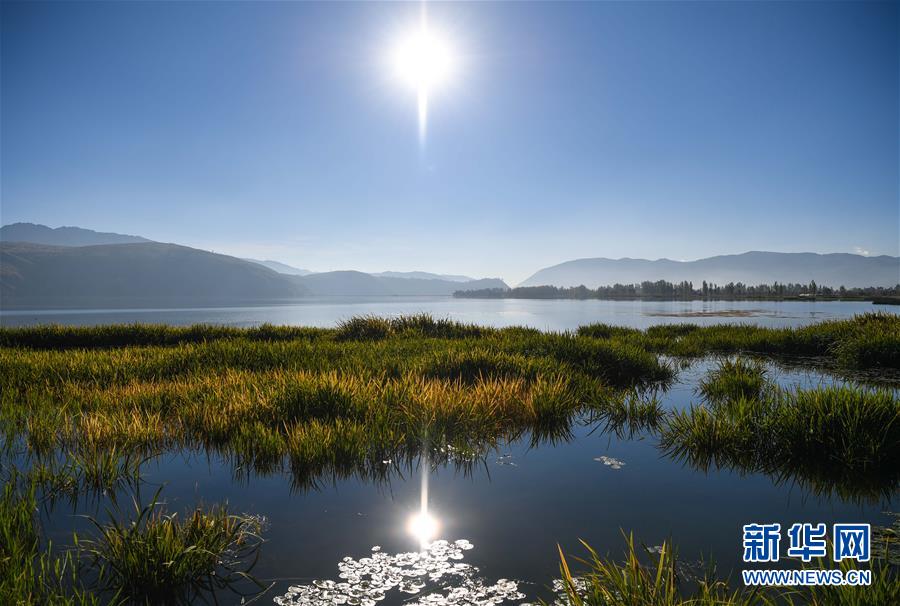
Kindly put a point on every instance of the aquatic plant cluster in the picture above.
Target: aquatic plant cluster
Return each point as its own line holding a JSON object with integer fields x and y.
{"x": 325, "y": 402}
{"x": 82, "y": 409}
{"x": 656, "y": 577}
{"x": 839, "y": 438}
{"x": 436, "y": 575}
{"x": 864, "y": 342}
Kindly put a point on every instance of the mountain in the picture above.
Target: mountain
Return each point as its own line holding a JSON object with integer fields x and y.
{"x": 344, "y": 283}
{"x": 750, "y": 268}
{"x": 63, "y": 236}
{"x": 349, "y": 283}
{"x": 423, "y": 275}
{"x": 282, "y": 268}
{"x": 155, "y": 274}
{"x": 142, "y": 274}
{"x": 416, "y": 287}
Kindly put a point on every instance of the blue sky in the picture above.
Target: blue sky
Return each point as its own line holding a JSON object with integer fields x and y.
{"x": 275, "y": 130}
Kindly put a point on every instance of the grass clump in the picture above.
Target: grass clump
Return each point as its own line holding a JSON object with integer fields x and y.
{"x": 141, "y": 557}
{"x": 255, "y": 395}
{"x": 473, "y": 365}
{"x": 364, "y": 328}
{"x": 152, "y": 557}
{"x": 735, "y": 380}
{"x": 833, "y": 438}
{"x": 370, "y": 328}
{"x": 885, "y": 587}
{"x": 57, "y": 336}
{"x": 644, "y": 579}
{"x": 30, "y": 571}
{"x": 607, "y": 331}
{"x": 864, "y": 342}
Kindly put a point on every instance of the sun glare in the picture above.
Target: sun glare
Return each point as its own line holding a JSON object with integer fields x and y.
{"x": 423, "y": 60}
{"x": 423, "y": 527}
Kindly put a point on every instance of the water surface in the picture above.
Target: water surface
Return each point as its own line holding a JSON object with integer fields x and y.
{"x": 555, "y": 315}
{"x": 512, "y": 507}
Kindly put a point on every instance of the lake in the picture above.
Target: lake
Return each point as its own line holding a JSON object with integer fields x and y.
{"x": 512, "y": 507}
{"x": 543, "y": 314}
{"x": 504, "y": 513}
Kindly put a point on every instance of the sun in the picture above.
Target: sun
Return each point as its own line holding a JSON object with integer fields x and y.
{"x": 424, "y": 61}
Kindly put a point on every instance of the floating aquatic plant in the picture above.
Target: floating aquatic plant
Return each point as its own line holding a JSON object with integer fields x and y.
{"x": 436, "y": 575}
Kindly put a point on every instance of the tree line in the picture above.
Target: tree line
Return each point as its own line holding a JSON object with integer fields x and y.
{"x": 662, "y": 289}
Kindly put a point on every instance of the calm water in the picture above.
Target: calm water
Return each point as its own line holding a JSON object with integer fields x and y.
{"x": 512, "y": 507}
{"x": 546, "y": 315}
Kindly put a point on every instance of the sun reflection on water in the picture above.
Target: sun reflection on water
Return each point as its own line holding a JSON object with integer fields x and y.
{"x": 423, "y": 526}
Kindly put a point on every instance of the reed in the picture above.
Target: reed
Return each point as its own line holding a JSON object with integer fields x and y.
{"x": 85, "y": 407}
{"x": 149, "y": 556}
{"x": 254, "y": 395}
{"x": 645, "y": 578}
{"x": 838, "y": 438}
{"x": 734, "y": 380}
{"x": 31, "y": 572}
{"x": 866, "y": 341}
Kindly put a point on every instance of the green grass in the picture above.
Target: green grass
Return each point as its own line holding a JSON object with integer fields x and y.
{"x": 30, "y": 571}
{"x": 323, "y": 403}
{"x": 85, "y": 407}
{"x": 734, "y": 380}
{"x": 864, "y": 342}
{"x": 146, "y": 556}
{"x": 642, "y": 578}
{"x": 55, "y": 336}
{"x": 150, "y": 556}
{"x": 840, "y": 439}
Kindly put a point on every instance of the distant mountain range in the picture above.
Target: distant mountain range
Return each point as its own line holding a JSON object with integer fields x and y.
{"x": 63, "y": 236}
{"x": 282, "y": 268}
{"x": 57, "y": 269}
{"x": 423, "y": 275}
{"x": 838, "y": 269}
{"x": 146, "y": 273}
{"x": 359, "y": 283}
{"x": 75, "y": 267}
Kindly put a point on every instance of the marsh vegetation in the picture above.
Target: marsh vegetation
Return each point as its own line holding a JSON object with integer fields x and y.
{"x": 655, "y": 576}
{"x": 83, "y": 409}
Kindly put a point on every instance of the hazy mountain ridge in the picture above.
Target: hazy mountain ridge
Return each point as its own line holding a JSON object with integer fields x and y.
{"x": 288, "y": 281}
{"x": 35, "y": 272}
{"x": 47, "y": 276}
{"x": 282, "y": 268}
{"x": 63, "y": 236}
{"x": 423, "y": 275}
{"x": 753, "y": 267}
{"x": 151, "y": 273}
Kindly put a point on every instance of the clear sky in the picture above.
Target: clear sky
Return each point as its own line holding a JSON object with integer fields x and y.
{"x": 275, "y": 130}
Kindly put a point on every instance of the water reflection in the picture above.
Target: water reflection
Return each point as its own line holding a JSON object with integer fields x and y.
{"x": 423, "y": 525}
{"x": 436, "y": 571}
